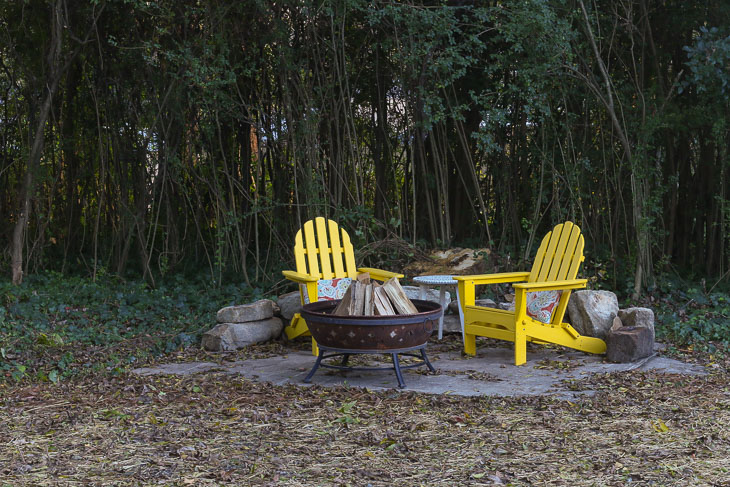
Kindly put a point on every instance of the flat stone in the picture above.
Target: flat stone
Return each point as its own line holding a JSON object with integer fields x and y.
{"x": 262, "y": 309}
{"x": 629, "y": 344}
{"x": 184, "y": 368}
{"x": 592, "y": 312}
{"x": 498, "y": 376}
{"x": 232, "y": 336}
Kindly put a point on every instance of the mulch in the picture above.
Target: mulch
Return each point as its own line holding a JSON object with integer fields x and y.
{"x": 215, "y": 429}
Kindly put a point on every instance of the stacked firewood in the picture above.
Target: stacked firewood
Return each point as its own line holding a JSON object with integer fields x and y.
{"x": 366, "y": 297}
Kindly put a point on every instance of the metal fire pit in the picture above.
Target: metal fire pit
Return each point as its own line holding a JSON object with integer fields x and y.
{"x": 342, "y": 336}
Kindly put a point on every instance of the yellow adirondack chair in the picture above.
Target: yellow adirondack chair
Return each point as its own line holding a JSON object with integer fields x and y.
{"x": 554, "y": 269}
{"x": 322, "y": 250}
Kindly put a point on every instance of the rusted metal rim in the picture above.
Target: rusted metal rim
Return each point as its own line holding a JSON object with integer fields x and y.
{"x": 321, "y": 312}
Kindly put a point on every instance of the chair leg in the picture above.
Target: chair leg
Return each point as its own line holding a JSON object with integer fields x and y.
{"x": 520, "y": 345}
{"x": 470, "y": 344}
{"x": 296, "y": 328}
{"x": 315, "y": 348}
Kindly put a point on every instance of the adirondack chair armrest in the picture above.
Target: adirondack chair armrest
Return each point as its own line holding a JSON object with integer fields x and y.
{"x": 299, "y": 277}
{"x": 467, "y": 284}
{"x": 552, "y": 285}
{"x": 379, "y": 274}
{"x": 494, "y": 278}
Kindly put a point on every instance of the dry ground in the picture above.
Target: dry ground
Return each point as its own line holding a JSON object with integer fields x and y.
{"x": 215, "y": 429}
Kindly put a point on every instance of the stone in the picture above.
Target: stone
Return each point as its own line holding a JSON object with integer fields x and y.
{"x": 232, "y": 336}
{"x": 289, "y": 304}
{"x": 643, "y": 317}
{"x": 262, "y": 309}
{"x": 485, "y": 303}
{"x": 506, "y": 306}
{"x": 452, "y": 323}
{"x": 629, "y": 344}
{"x": 592, "y": 312}
{"x": 432, "y": 294}
{"x": 617, "y": 323}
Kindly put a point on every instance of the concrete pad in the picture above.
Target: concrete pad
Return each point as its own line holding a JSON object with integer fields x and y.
{"x": 490, "y": 373}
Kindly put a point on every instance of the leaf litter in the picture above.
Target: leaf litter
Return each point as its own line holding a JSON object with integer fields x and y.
{"x": 215, "y": 429}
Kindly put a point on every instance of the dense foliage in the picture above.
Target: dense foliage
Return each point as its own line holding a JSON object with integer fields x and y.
{"x": 145, "y": 137}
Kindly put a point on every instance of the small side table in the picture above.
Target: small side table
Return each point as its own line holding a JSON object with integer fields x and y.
{"x": 441, "y": 282}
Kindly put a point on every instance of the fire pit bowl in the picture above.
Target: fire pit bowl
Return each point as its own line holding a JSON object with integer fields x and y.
{"x": 371, "y": 333}
{"x": 394, "y": 335}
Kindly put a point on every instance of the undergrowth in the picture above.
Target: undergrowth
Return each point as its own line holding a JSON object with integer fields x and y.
{"x": 692, "y": 317}
{"x": 54, "y": 326}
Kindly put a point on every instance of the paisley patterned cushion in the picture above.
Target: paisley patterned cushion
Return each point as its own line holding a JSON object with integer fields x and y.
{"x": 542, "y": 304}
{"x": 329, "y": 289}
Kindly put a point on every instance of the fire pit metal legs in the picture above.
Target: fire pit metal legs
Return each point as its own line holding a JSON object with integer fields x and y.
{"x": 336, "y": 352}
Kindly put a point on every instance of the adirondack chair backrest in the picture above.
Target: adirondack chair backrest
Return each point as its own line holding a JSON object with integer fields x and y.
{"x": 558, "y": 259}
{"x": 324, "y": 250}
{"x": 560, "y": 254}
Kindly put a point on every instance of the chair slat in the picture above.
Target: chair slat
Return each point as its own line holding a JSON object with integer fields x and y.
{"x": 301, "y": 261}
{"x": 337, "y": 250}
{"x": 324, "y": 248}
{"x": 550, "y": 253}
{"x": 349, "y": 255}
{"x": 573, "y": 270}
{"x": 539, "y": 258}
{"x": 310, "y": 247}
{"x": 561, "y": 251}
{"x": 571, "y": 256}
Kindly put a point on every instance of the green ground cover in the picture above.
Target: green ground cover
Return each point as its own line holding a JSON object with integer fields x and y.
{"x": 53, "y": 327}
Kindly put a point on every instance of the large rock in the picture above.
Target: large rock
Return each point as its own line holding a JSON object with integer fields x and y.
{"x": 289, "y": 304}
{"x": 629, "y": 344}
{"x": 452, "y": 323}
{"x": 232, "y": 336}
{"x": 506, "y": 306}
{"x": 244, "y": 313}
{"x": 592, "y": 312}
{"x": 414, "y": 292}
{"x": 485, "y": 303}
{"x": 641, "y": 317}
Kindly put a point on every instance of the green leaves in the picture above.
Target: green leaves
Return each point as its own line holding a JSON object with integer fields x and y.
{"x": 53, "y": 323}
{"x": 347, "y": 417}
{"x": 709, "y": 63}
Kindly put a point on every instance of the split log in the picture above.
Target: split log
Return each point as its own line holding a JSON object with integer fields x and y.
{"x": 365, "y": 297}
{"x": 358, "y": 298}
{"x": 369, "y": 301}
{"x": 398, "y": 298}
{"x": 343, "y": 309}
{"x": 381, "y": 302}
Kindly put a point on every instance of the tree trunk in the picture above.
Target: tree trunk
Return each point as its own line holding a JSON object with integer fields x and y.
{"x": 36, "y": 149}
